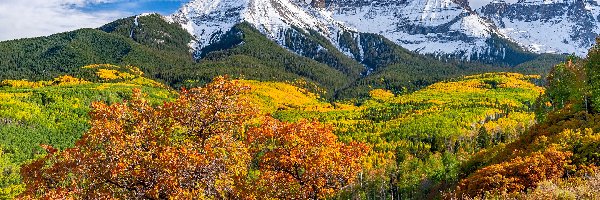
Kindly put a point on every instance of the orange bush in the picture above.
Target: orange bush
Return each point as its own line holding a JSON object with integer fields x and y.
{"x": 182, "y": 149}
{"x": 301, "y": 160}
{"x": 515, "y": 175}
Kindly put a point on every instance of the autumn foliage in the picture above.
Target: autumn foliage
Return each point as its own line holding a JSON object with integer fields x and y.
{"x": 516, "y": 175}
{"x": 305, "y": 158}
{"x": 195, "y": 147}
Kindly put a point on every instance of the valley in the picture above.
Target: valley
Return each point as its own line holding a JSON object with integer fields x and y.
{"x": 435, "y": 128}
{"x": 290, "y": 99}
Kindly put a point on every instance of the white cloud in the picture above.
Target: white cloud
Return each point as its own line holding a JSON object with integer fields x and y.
{"x": 32, "y": 18}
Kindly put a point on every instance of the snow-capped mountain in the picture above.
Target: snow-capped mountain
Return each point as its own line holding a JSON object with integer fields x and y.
{"x": 445, "y": 28}
{"x": 424, "y": 26}
{"x": 547, "y": 26}
{"x": 209, "y": 19}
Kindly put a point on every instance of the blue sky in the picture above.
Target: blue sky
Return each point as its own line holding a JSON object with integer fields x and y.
{"x": 33, "y": 18}
{"x": 164, "y": 7}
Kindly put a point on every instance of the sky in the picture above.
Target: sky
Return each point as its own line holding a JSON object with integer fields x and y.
{"x": 33, "y": 18}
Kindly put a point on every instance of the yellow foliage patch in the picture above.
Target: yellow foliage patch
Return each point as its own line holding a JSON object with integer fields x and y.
{"x": 13, "y": 107}
{"x": 128, "y": 74}
{"x": 111, "y": 74}
{"x": 381, "y": 94}
{"x": 273, "y": 96}
{"x": 69, "y": 80}
{"x": 23, "y": 83}
{"x": 61, "y": 80}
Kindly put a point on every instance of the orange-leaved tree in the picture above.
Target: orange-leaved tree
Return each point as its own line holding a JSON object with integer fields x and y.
{"x": 301, "y": 160}
{"x": 189, "y": 148}
{"x": 196, "y": 147}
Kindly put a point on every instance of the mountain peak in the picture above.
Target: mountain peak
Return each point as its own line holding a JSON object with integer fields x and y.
{"x": 408, "y": 23}
{"x": 208, "y": 20}
{"x": 445, "y": 28}
{"x": 547, "y": 26}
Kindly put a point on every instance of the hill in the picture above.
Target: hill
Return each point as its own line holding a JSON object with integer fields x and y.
{"x": 556, "y": 158}
{"x": 425, "y": 136}
{"x": 160, "y": 49}
{"x": 432, "y": 130}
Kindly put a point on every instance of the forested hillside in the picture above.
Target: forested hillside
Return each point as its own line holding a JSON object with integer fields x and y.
{"x": 487, "y": 135}
{"x": 161, "y": 50}
{"x": 420, "y": 140}
{"x": 411, "y": 138}
{"x": 556, "y": 158}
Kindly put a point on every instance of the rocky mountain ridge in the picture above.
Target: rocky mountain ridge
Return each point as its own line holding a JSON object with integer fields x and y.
{"x": 444, "y": 28}
{"x": 547, "y": 26}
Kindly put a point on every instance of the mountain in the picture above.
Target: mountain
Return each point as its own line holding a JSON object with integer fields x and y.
{"x": 443, "y": 28}
{"x": 547, "y": 26}
{"x": 498, "y": 33}
{"x": 346, "y": 48}
{"x": 161, "y": 49}
{"x": 440, "y": 27}
{"x": 209, "y": 20}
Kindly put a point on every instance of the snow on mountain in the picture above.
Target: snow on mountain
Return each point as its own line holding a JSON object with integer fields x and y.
{"x": 441, "y": 27}
{"x": 208, "y": 20}
{"x": 424, "y": 26}
{"x": 547, "y": 26}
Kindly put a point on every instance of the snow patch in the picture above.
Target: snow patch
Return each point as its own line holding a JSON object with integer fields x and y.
{"x": 208, "y": 20}
{"x": 440, "y": 27}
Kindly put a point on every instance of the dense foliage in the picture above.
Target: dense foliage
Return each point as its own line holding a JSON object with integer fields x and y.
{"x": 562, "y": 147}
{"x": 419, "y": 140}
{"x": 301, "y": 160}
{"x": 517, "y": 174}
{"x": 56, "y": 113}
{"x": 182, "y": 149}
{"x": 415, "y": 138}
{"x": 194, "y": 147}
